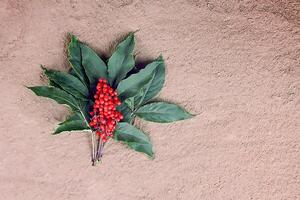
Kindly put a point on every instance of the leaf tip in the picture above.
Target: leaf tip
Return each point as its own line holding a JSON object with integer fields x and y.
{"x": 73, "y": 37}
{"x": 45, "y": 70}
{"x": 191, "y": 115}
{"x": 160, "y": 57}
{"x": 73, "y": 42}
{"x": 28, "y": 87}
{"x": 152, "y": 156}
{"x": 130, "y": 37}
{"x": 131, "y": 34}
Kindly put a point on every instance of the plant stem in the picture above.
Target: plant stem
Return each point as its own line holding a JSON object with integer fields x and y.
{"x": 93, "y": 136}
{"x": 93, "y": 148}
{"x": 99, "y": 151}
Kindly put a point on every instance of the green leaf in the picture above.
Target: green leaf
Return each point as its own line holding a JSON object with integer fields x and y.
{"x": 69, "y": 83}
{"x": 157, "y": 83}
{"x": 150, "y": 89}
{"x": 162, "y": 112}
{"x": 141, "y": 147}
{"x": 93, "y": 65}
{"x": 72, "y": 72}
{"x": 135, "y": 101}
{"x": 122, "y": 60}
{"x": 130, "y": 103}
{"x": 75, "y": 116}
{"x": 73, "y": 123}
{"x": 75, "y": 59}
{"x": 134, "y": 138}
{"x": 128, "y": 116}
{"x": 132, "y": 85}
{"x": 85, "y": 108}
{"x": 52, "y": 83}
{"x": 60, "y": 96}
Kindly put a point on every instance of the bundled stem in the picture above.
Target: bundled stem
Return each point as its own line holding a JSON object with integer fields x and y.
{"x": 97, "y": 149}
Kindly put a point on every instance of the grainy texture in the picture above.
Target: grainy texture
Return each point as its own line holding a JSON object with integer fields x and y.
{"x": 235, "y": 63}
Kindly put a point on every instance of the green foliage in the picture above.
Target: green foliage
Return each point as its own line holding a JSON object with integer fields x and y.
{"x": 157, "y": 83}
{"x": 69, "y": 83}
{"x": 60, "y": 96}
{"x": 75, "y": 59}
{"x": 134, "y": 138}
{"x": 76, "y": 89}
{"x": 74, "y": 123}
{"x": 132, "y": 85}
{"x": 94, "y": 67}
{"x": 126, "y": 112}
{"x": 121, "y": 61}
{"x": 162, "y": 112}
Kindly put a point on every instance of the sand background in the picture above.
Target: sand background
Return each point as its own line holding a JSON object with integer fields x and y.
{"x": 236, "y": 63}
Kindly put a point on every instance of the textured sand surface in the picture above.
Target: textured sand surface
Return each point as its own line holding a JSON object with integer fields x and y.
{"x": 235, "y": 63}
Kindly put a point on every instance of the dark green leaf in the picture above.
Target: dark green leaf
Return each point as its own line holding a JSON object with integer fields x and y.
{"x": 130, "y": 103}
{"x": 142, "y": 147}
{"x": 56, "y": 94}
{"x": 52, "y": 83}
{"x": 85, "y": 108}
{"x": 162, "y": 112}
{"x": 134, "y": 138}
{"x": 93, "y": 65}
{"x": 126, "y": 112}
{"x": 75, "y": 59}
{"x": 154, "y": 85}
{"x": 132, "y": 85}
{"x": 135, "y": 101}
{"x": 157, "y": 83}
{"x": 69, "y": 83}
{"x": 75, "y": 116}
{"x": 73, "y": 123}
{"x": 122, "y": 60}
{"x": 72, "y": 72}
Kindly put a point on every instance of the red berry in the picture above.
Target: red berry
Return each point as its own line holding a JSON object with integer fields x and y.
{"x": 98, "y": 132}
{"x": 104, "y": 115}
{"x": 102, "y": 127}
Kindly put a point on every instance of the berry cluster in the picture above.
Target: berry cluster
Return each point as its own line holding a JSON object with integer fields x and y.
{"x": 104, "y": 115}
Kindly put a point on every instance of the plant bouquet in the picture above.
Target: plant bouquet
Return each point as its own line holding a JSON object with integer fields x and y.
{"x": 105, "y": 98}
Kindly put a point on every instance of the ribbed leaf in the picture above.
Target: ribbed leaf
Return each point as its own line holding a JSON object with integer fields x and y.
{"x": 56, "y": 94}
{"x": 75, "y": 59}
{"x": 69, "y": 83}
{"x": 152, "y": 88}
{"x": 75, "y": 116}
{"x": 132, "y": 85}
{"x": 130, "y": 103}
{"x": 162, "y": 112}
{"x": 134, "y": 102}
{"x": 157, "y": 83}
{"x": 126, "y": 112}
{"x": 73, "y": 123}
{"x": 72, "y": 72}
{"x": 85, "y": 108}
{"x": 142, "y": 147}
{"x": 93, "y": 65}
{"x": 52, "y": 83}
{"x": 134, "y": 138}
{"x": 121, "y": 61}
